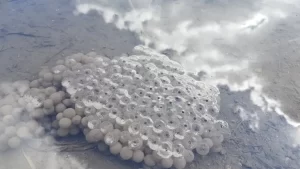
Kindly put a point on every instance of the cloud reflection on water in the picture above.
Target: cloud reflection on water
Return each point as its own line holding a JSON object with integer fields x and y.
{"x": 198, "y": 32}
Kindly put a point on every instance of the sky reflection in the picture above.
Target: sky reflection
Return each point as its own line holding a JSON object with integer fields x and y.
{"x": 201, "y": 37}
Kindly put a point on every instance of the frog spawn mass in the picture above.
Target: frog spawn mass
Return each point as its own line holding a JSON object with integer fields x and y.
{"x": 145, "y": 102}
{"x": 144, "y": 107}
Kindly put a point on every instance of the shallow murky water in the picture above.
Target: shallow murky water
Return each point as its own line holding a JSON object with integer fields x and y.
{"x": 249, "y": 49}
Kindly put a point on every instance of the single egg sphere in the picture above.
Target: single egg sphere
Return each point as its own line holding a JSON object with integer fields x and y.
{"x": 32, "y": 125}
{"x": 10, "y": 131}
{"x": 138, "y": 156}
{"x": 40, "y": 132}
{"x": 6, "y": 109}
{"x": 48, "y": 103}
{"x": 65, "y": 123}
{"x": 24, "y": 133}
{"x": 9, "y": 120}
{"x": 188, "y": 155}
{"x": 126, "y": 153}
{"x": 56, "y": 97}
{"x": 202, "y": 149}
{"x": 84, "y": 121}
{"x": 167, "y": 162}
{"x": 69, "y": 113}
{"x": 149, "y": 161}
{"x": 48, "y": 77}
{"x": 102, "y": 147}
{"x": 37, "y": 113}
{"x": 34, "y": 84}
{"x": 59, "y": 116}
{"x": 94, "y": 135}
{"x": 208, "y": 141}
{"x": 57, "y": 77}
{"x": 14, "y": 142}
{"x": 76, "y": 120}
{"x": 116, "y": 148}
{"x": 68, "y": 103}
{"x": 50, "y": 90}
{"x": 60, "y": 107}
{"x": 46, "y": 84}
{"x": 179, "y": 163}
{"x": 62, "y": 132}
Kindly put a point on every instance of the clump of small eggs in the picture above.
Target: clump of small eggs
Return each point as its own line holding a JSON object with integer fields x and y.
{"x": 99, "y": 97}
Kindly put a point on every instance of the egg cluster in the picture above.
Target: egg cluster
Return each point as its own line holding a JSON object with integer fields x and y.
{"x": 144, "y": 107}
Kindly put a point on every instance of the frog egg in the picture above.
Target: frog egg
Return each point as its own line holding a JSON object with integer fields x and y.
{"x": 69, "y": 113}
{"x": 167, "y": 162}
{"x": 58, "y": 69}
{"x": 39, "y": 132}
{"x": 48, "y": 103}
{"x": 217, "y": 138}
{"x": 154, "y": 142}
{"x": 165, "y": 150}
{"x": 67, "y": 102}
{"x": 76, "y": 120}
{"x": 188, "y": 156}
{"x": 179, "y": 163}
{"x": 149, "y": 161}
{"x": 124, "y": 137}
{"x": 208, "y": 141}
{"x": 178, "y": 149}
{"x": 60, "y": 107}
{"x": 202, "y": 149}
{"x": 57, "y": 78}
{"x": 114, "y": 113}
{"x": 179, "y": 133}
{"x": 106, "y": 127}
{"x": 50, "y": 90}
{"x": 172, "y": 122}
{"x": 65, "y": 123}
{"x": 84, "y": 121}
{"x": 24, "y": 133}
{"x": 94, "y": 135}
{"x": 158, "y": 126}
{"x": 135, "y": 143}
{"x": 222, "y": 126}
{"x": 89, "y": 111}
{"x": 167, "y": 135}
{"x": 102, "y": 147}
{"x": 217, "y": 148}
{"x": 186, "y": 126}
{"x": 126, "y": 153}
{"x": 37, "y": 113}
{"x": 10, "y": 131}
{"x": 111, "y": 138}
{"x": 14, "y": 142}
{"x": 134, "y": 128}
{"x": 56, "y": 97}
{"x": 59, "y": 116}
{"x": 74, "y": 130}
{"x": 6, "y": 109}
{"x": 48, "y": 77}
{"x": 116, "y": 148}
{"x": 9, "y": 120}
{"x": 34, "y": 84}
{"x": 190, "y": 142}
{"x": 197, "y": 129}
{"x": 62, "y": 132}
